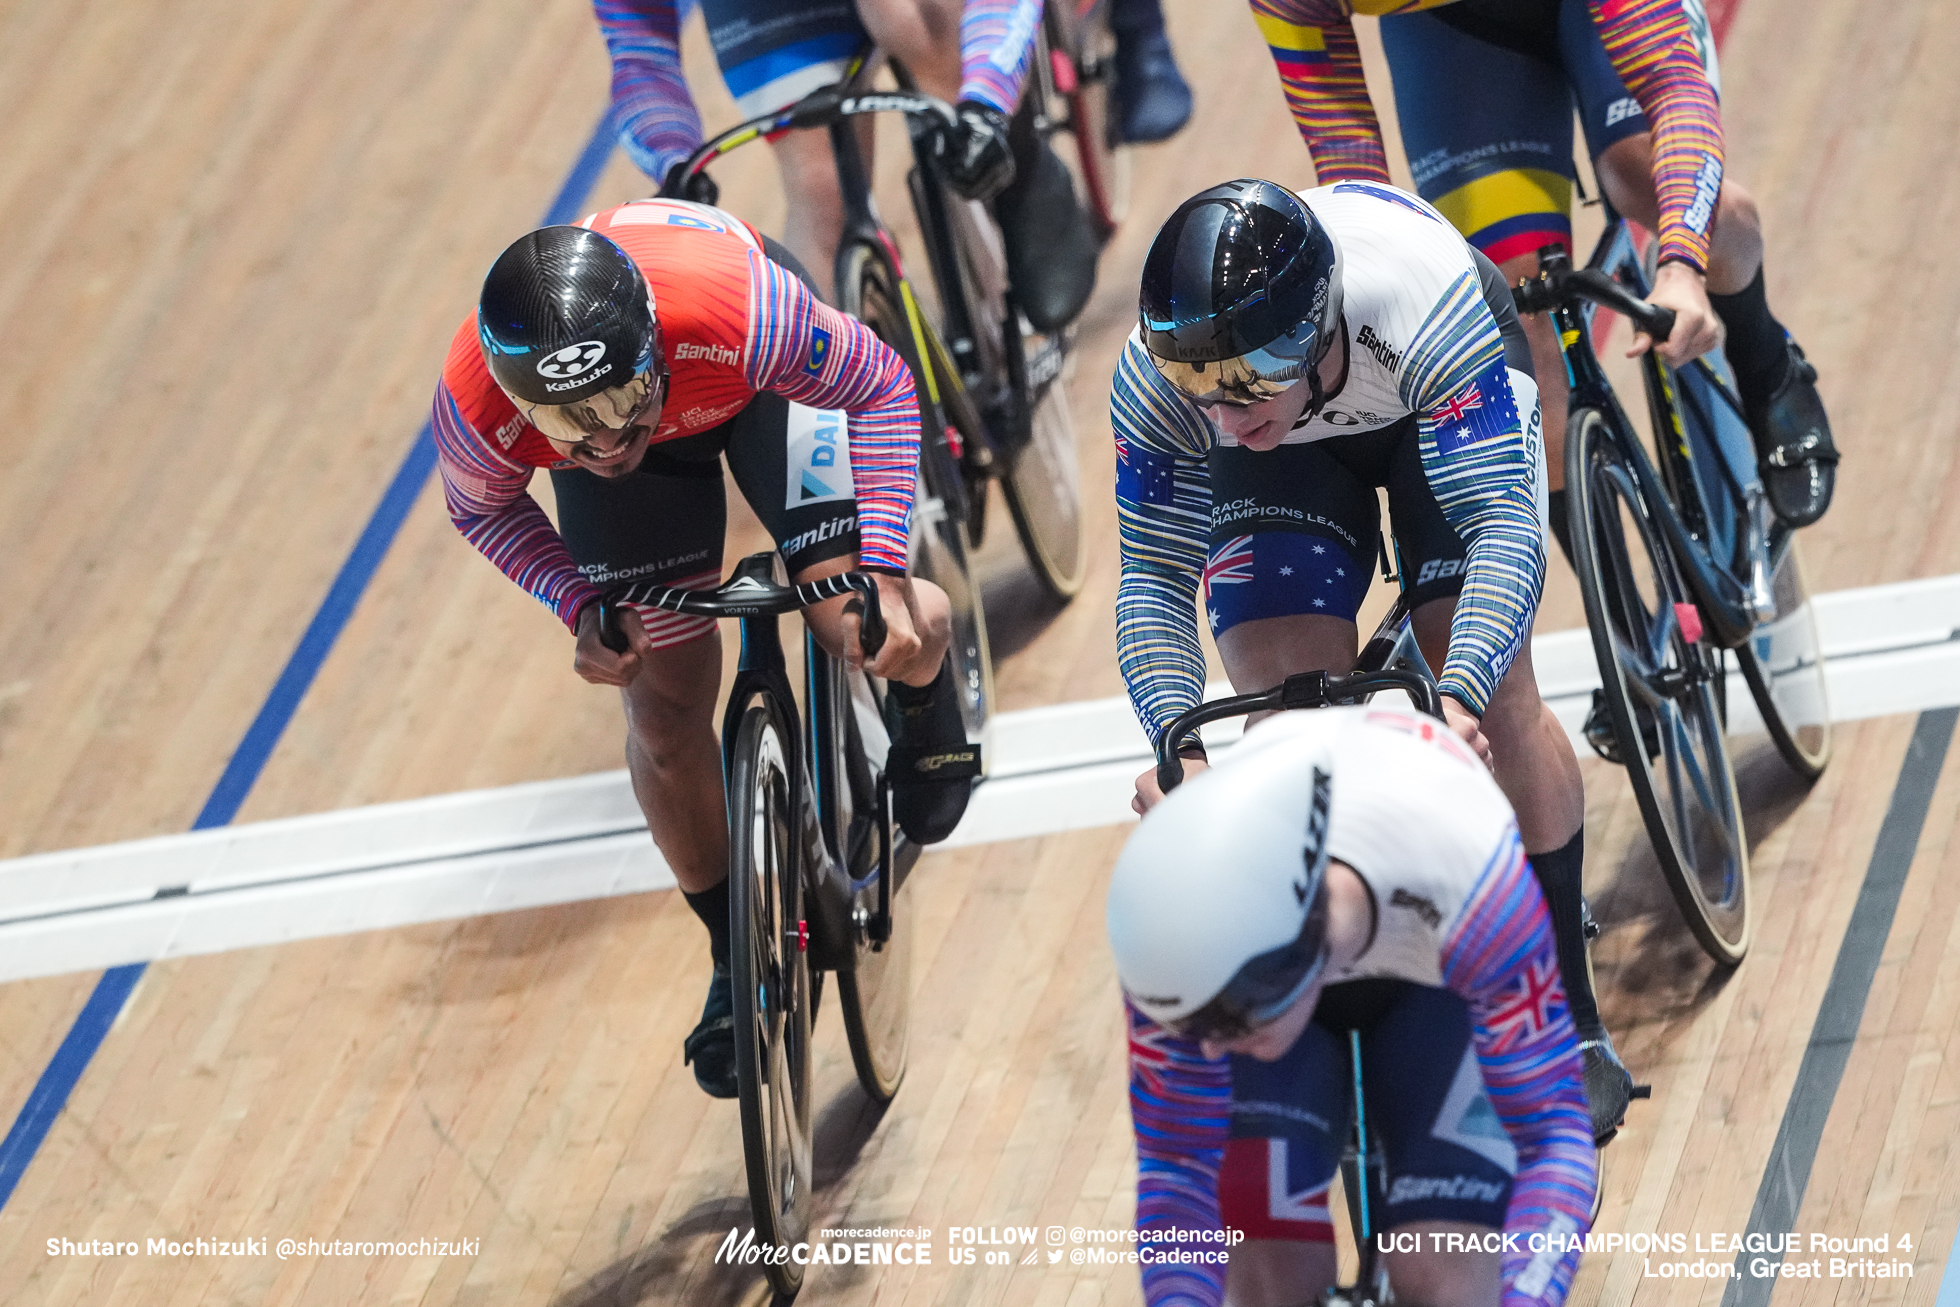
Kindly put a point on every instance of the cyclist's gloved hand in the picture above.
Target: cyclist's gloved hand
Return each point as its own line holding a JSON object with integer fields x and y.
{"x": 700, "y": 187}
{"x": 973, "y": 153}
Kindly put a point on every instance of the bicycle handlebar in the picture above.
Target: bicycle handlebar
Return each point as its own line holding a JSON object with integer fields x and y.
{"x": 1560, "y": 286}
{"x": 820, "y": 108}
{"x": 749, "y": 596}
{"x": 1301, "y": 690}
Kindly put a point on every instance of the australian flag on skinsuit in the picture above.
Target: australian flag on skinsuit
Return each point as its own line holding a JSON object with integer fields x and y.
{"x": 1483, "y": 410}
{"x": 1143, "y": 476}
{"x": 1280, "y": 574}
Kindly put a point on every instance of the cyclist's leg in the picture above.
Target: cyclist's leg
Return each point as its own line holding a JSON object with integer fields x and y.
{"x": 665, "y": 523}
{"x": 1488, "y": 132}
{"x": 1153, "y": 101}
{"x": 1289, "y": 1127}
{"x": 1292, "y": 554}
{"x": 1532, "y": 759}
{"x": 1449, "y": 1165}
{"x": 924, "y": 35}
{"x": 1776, "y": 384}
{"x": 771, "y": 55}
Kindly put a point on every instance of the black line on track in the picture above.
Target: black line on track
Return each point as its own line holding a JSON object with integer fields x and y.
{"x": 1781, "y": 1193}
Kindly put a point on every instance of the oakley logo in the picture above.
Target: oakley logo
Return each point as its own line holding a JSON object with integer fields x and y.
{"x": 572, "y": 361}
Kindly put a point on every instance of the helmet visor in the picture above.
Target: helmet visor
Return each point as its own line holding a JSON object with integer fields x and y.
{"x": 1265, "y": 987}
{"x": 1248, "y": 378}
{"x": 636, "y": 403}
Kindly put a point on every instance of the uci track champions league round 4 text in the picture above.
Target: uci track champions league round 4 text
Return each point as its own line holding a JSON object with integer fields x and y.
{"x": 1700, "y": 1255}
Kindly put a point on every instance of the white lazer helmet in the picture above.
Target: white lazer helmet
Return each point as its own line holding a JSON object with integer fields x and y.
{"x": 1218, "y": 905}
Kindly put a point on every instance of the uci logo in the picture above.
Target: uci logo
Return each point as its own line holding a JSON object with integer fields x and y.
{"x": 573, "y": 360}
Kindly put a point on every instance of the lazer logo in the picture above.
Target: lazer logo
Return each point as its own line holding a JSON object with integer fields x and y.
{"x": 1385, "y": 354}
{"x": 687, "y": 350}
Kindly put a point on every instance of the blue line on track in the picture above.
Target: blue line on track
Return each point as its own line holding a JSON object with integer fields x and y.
{"x": 99, "y": 1014}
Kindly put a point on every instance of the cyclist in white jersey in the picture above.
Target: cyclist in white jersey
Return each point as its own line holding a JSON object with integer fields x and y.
{"x": 1295, "y": 353}
{"x": 1351, "y": 868}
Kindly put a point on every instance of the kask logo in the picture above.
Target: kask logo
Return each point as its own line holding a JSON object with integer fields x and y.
{"x": 573, "y": 360}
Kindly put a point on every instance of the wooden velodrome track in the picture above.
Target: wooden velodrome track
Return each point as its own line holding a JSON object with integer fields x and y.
{"x": 241, "y": 235}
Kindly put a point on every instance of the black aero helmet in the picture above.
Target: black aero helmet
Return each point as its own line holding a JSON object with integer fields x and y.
{"x": 1241, "y": 294}
{"x": 565, "y": 315}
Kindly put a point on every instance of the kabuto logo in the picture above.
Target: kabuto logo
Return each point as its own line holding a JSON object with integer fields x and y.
{"x": 1385, "y": 354}
{"x": 572, "y": 361}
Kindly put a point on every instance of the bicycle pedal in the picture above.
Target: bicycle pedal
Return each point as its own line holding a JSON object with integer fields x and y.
{"x": 1642, "y": 1091}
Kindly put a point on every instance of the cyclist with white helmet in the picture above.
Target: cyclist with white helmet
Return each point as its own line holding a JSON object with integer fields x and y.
{"x": 1295, "y": 353}
{"x": 1347, "y": 869}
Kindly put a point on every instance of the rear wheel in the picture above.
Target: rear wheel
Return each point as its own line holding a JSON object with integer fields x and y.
{"x": 1043, "y": 479}
{"x": 875, "y": 992}
{"x": 772, "y": 985}
{"x": 1661, "y": 690}
{"x": 1084, "y": 53}
{"x": 939, "y": 550}
{"x": 1783, "y": 662}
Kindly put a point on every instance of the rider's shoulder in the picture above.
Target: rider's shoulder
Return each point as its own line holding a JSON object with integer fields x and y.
{"x": 1397, "y": 252}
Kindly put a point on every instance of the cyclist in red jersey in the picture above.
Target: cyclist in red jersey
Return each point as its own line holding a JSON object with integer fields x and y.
{"x": 627, "y": 356}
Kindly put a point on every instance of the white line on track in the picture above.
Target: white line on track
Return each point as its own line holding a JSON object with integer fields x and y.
{"x": 1890, "y": 649}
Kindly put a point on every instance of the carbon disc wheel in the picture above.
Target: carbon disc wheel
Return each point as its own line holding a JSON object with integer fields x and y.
{"x": 1783, "y": 663}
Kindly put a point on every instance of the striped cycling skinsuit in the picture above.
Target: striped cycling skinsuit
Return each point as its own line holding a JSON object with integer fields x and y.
{"x": 1427, "y": 362}
{"x": 734, "y": 324}
{"x": 1460, "y": 930}
{"x": 772, "y": 53}
{"x": 1481, "y": 92}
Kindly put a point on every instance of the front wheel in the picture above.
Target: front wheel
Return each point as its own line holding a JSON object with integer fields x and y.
{"x": 1043, "y": 479}
{"x": 772, "y": 985}
{"x": 1783, "y": 662}
{"x": 1662, "y": 690}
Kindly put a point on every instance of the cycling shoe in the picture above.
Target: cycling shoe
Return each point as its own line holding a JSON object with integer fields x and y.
{"x": 1153, "y": 101}
{"x": 711, "y": 1048}
{"x": 931, "y": 766}
{"x": 1793, "y": 445}
{"x": 1609, "y": 1087}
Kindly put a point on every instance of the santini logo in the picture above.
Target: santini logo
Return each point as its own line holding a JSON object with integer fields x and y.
{"x": 711, "y": 353}
{"x": 1385, "y": 353}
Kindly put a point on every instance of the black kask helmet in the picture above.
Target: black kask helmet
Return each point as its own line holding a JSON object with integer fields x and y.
{"x": 1241, "y": 292}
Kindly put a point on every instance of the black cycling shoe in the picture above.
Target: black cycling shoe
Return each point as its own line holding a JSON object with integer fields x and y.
{"x": 1599, "y": 733}
{"x": 1051, "y": 248}
{"x": 1793, "y": 444}
{"x": 711, "y": 1048}
{"x": 1153, "y": 101}
{"x": 1609, "y": 1087}
{"x": 931, "y": 766}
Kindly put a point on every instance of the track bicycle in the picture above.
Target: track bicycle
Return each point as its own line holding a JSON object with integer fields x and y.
{"x": 1389, "y": 661}
{"x": 816, "y": 875}
{"x": 1682, "y": 565}
{"x": 991, "y": 389}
